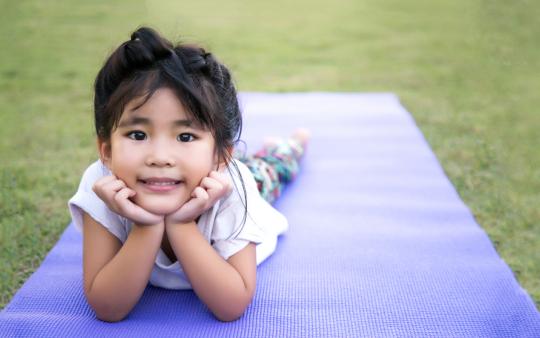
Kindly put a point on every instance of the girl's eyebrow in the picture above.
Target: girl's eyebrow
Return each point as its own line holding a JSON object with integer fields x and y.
{"x": 135, "y": 120}
{"x": 184, "y": 123}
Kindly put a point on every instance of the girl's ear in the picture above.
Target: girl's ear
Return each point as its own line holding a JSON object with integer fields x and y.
{"x": 104, "y": 149}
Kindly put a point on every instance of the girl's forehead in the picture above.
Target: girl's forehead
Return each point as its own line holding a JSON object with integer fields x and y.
{"x": 164, "y": 98}
{"x": 159, "y": 113}
{"x": 163, "y": 103}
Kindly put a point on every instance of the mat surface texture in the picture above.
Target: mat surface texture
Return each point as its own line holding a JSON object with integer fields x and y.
{"x": 380, "y": 244}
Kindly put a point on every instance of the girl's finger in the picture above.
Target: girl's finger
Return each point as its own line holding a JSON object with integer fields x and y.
{"x": 200, "y": 194}
{"x": 102, "y": 190}
{"x": 223, "y": 179}
{"x": 102, "y": 181}
{"x": 122, "y": 197}
{"x": 194, "y": 206}
{"x": 115, "y": 185}
{"x": 132, "y": 211}
{"x": 124, "y": 205}
{"x": 214, "y": 188}
{"x": 211, "y": 183}
{"x": 217, "y": 175}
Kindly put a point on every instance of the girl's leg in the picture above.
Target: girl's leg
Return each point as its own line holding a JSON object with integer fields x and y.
{"x": 277, "y": 163}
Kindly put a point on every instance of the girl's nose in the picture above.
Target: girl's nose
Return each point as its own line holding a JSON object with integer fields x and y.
{"x": 160, "y": 157}
{"x": 160, "y": 162}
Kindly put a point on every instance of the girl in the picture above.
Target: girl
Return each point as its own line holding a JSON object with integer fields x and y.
{"x": 167, "y": 203}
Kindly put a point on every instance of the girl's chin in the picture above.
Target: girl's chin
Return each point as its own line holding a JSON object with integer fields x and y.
{"x": 160, "y": 208}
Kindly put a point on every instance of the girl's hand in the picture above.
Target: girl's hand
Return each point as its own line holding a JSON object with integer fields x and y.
{"x": 212, "y": 188}
{"x": 116, "y": 194}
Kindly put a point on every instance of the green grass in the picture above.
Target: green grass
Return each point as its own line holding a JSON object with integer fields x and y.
{"x": 467, "y": 71}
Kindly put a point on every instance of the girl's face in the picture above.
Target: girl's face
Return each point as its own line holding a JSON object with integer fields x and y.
{"x": 160, "y": 152}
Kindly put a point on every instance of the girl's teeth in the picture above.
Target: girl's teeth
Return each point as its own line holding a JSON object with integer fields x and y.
{"x": 161, "y": 183}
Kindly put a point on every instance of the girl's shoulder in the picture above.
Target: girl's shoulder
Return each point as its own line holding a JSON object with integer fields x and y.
{"x": 94, "y": 172}
{"x": 246, "y": 202}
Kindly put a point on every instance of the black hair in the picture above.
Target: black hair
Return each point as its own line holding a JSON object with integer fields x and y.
{"x": 148, "y": 62}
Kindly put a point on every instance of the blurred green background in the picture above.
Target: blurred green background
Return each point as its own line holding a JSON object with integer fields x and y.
{"x": 468, "y": 71}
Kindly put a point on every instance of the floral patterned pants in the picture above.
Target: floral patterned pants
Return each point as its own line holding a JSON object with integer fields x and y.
{"x": 274, "y": 166}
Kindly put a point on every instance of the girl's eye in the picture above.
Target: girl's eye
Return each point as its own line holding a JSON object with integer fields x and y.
{"x": 137, "y": 135}
{"x": 185, "y": 137}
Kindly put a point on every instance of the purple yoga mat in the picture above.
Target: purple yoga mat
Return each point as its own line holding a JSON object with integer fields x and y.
{"x": 380, "y": 244}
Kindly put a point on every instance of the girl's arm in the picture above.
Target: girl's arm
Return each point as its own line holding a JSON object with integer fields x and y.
{"x": 225, "y": 286}
{"x": 116, "y": 275}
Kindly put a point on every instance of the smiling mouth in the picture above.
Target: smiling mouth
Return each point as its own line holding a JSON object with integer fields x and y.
{"x": 160, "y": 184}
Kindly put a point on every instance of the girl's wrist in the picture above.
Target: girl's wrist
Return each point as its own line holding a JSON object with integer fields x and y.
{"x": 153, "y": 227}
{"x": 148, "y": 231}
{"x": 169, "y": 224}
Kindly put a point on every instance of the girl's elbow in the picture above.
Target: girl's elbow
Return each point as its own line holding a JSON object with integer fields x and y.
{"x": 110, "y": 317}
{"x": 229, "y": 315}
{"x": 106, "y": 311}
{"x": 232, "y": 311}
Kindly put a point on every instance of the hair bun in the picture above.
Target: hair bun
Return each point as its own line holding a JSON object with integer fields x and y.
{"x": 145, "y": 48}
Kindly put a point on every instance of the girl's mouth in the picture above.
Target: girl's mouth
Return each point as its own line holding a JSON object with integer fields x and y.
{"x": 158, "y": 184}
